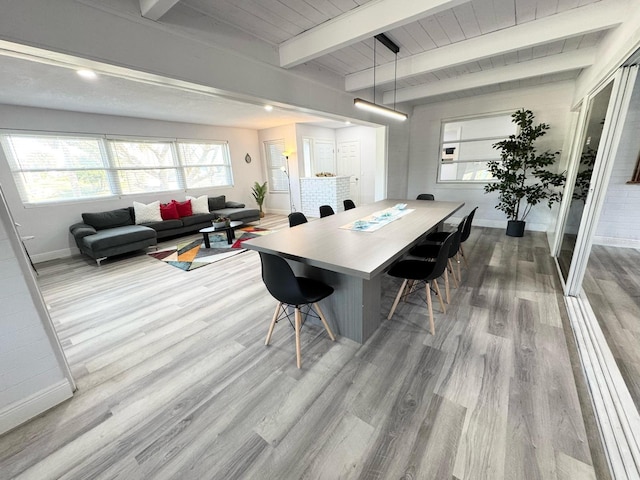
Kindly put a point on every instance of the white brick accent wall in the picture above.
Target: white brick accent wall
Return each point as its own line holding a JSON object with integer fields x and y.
{"x": 317, "y": 191}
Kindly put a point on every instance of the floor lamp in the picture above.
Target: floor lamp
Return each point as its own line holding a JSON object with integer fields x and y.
{"x": 286, "y": 172}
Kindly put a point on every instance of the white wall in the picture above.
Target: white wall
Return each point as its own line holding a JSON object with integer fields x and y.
{"x": 619, "y": 223}
{"x": 32, "y": 368}
{"x": 50, "y": 224}
{"x": 549, "y": 103}
{"x": 398, "y": 152}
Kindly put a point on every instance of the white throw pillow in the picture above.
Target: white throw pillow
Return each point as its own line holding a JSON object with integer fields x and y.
{"x": 200, "y": 204}
{"x": 147, "y": 213}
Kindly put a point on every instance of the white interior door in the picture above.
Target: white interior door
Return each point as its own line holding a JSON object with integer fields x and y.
{"x": 349, "y": 165}
{"x": 323, "y": 156}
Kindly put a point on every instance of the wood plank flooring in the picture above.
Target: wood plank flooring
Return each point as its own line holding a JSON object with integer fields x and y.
{"x": 175, "y": 381}
{"x": 612, "y": 285}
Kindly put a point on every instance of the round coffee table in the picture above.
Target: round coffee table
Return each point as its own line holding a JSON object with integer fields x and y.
{"x": 230, "y": 230}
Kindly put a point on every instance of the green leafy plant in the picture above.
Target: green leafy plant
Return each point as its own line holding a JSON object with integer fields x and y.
{"x": 259, "y": 192}
{"x": 522, "y": 177}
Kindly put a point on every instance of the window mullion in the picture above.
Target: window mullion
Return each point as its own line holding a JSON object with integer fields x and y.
{"x": 108, "y": 160}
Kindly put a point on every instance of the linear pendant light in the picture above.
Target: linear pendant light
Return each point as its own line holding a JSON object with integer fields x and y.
{"x": 372, "y": 106}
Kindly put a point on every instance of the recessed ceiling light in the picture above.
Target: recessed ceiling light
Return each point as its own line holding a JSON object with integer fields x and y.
{"x": 268, "y": 108}
{"x": 347, "y": 122}
{"x": 86, "y": 73}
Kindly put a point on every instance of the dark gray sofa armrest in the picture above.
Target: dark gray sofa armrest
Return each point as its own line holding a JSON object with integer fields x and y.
{"x": 80, "y": 230}
{"x": 234, "y": 205}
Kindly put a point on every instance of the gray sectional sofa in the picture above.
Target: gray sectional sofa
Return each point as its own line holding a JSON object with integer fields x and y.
{"x": 114, "y": 232}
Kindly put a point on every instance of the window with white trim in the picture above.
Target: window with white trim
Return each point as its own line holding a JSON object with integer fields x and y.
{"x": 50, "y": 168}
{"x": 274, "y": 155}
{"x": 466, "y": 147}
{"x": 205, "y": 164}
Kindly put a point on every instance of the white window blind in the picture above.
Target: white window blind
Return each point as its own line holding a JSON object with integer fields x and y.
{"x": 206, "y": 164}
{"x": 278, "y": 181}
{"x": 51, "y": 168}
{"x": 56, "y": 168}
{"x": 144, "y": 166}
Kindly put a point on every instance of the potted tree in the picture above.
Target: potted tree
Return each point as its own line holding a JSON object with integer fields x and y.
{"x": 522, "y": 177}
{"x": 259, "y": 191}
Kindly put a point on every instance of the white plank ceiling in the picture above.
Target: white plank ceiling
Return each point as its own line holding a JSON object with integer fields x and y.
{"x": 439, "y": 40}
{"x": 448, "y": 49}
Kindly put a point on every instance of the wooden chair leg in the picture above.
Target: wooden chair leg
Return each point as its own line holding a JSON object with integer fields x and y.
{"x": 298, "y": 322}
{"x": 410, "y": 287}
{"x": 466, "y": 264}
{"x": 273, "y": 323}
{"x": 459, "y": 269}
{"x": 432, "y": 325}
{"x": 324, "y": 322}
{"x": 395, "y": 303}
{"x": 437, "y": 289}
{"x": 453, "y": 274}
{"x": 446, "y": 286}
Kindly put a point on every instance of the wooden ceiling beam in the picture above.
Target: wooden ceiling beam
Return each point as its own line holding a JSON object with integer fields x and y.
{"x": 154, "y": 9}
{"x": 562, "y": 62}
{"x": 356, "y": 25}
{"x": 579, "y": 21}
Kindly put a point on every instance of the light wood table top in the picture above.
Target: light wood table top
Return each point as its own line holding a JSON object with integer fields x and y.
{"x": 323, "y": 244}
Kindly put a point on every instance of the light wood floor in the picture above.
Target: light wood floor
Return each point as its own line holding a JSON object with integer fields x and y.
{"x": 612, "y": 285}
{"x": 175, "y": 381}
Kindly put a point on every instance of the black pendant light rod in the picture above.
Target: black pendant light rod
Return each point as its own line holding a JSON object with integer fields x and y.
{"x": 387, "y": 42}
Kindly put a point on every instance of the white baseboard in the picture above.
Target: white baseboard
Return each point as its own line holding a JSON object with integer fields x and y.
{"x": 19, "y": 412}
{"x": 616, "y": 242}
{"x": 64, "y": 253}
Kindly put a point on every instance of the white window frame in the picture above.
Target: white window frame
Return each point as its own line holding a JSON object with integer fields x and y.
{"x": 109, "y": 163}
{"x": 443, "y": 158}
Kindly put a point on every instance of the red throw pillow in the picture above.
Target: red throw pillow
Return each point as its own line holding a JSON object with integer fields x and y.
{"x": 184, "y": 208}
{"x": 169, "y": 211}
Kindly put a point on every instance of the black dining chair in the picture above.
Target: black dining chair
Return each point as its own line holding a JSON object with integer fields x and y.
{"x": 326, "y": 210}
{"x": 438, "y": 237}
{"x": 348, "y": 204}
{"x": 431, "y": 250}
{"x": 422, "y": 271}
{"x": 466, "y": 231}
{"x": 425, "y": 196}
{"x": 292, "y": 291}
{"x": 297, "y": 218}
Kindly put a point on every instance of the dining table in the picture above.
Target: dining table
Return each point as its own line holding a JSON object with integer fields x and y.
{"x": 351, "y": 250}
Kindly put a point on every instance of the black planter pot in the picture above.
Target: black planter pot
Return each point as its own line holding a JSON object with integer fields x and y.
{"x": 515, "y": 228}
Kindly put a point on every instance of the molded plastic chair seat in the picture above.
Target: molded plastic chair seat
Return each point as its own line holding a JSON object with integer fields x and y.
{"x": 292, "y": 291}
{"x": 422, "y": 271}
{"x": 297, "y": 218}
{"x": 348, "y": 204}
{"x": 425, "y": 196}
{"x": 326, "y": 210}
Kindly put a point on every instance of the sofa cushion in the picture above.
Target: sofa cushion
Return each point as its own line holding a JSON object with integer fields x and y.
{"x": 165, "y": 225}
{"x": 169, "y": 211}
{"x": 184, "y": 208}
{"x": 234, "y": 205}
{"x": 199, "y": 205}
{"x": 110, "y": 219}
{"x": 198, "y": 218}
{"x": 216, "y": 203}
{"x": 239, "y": 214}
{"x": 117, "y": 236}
{"x": 147, "y": 213}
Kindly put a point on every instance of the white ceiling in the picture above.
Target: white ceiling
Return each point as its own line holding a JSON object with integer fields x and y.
{"x": 448, "y": 49}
